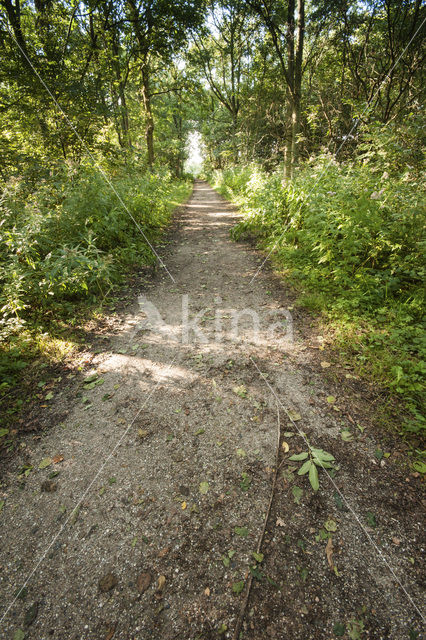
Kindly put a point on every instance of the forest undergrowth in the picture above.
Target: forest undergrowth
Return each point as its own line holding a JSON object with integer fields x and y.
{"x": 348, "y": 236}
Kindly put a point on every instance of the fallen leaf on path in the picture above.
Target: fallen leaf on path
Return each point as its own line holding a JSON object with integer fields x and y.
{"x": 237, "y": 587}
{"x": 294, "y": 416}
{"x": 280, "y": 522}
{"x": 107, "y": 582}
{"x": 57, "y": 459}
{"x": 207, "y": 591}
{"x": 297, "y": 494}
{"x": 49, "y": 486}
{"x": 46, "y": 462}
{"x": 330, "y": 525}
{"x": 329, "y": 551}
{"x": 331, "y": 399}
{"x": 184, "y": 505}
{"x": 325, "y": 364}
{"x": 396, "y": 541}
{"x": 110, "y": 632}
{"x": 143, "y": 581}
{"x": 285, "y": 447}
{"x": 31, "y": 614}
{"x": 241, "y": 531}
{"x": 258, "y": 556}
{"x": 240, "y": 391}
{"x": 204, "y": 487}
{"x": 161, "y": 582}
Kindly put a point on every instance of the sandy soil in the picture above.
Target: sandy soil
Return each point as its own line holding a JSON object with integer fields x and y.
{"x": 137, "y": 516}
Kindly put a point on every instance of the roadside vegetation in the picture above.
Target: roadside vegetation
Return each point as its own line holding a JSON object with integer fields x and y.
{"x": 66, "y": 245}
{"x": 347, "y": 236}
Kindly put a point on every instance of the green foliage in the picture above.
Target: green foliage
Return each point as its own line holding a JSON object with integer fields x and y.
{"x": 71, "y": 239}
{"x": 312, "y": 459}
{"x": 350, "y": 236}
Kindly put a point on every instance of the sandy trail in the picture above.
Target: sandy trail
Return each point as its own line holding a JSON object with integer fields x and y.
{"x": 168, "y": 456}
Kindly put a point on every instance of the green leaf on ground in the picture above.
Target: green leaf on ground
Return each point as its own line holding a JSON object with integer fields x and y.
{"x": 199, "y": 432}
{"x": 258, "y": 556}
{"x": 1, "y": 505}
{"x": 331, "y": 399}
{"x": 46, "y": 462}
{"x": 297, "y": 494}
{"x": 330, "y": 525}
{"x": 338, "y": 501}
{"x": 371, "y": 519}
{"x": 339, "y": 629}
{"x": 240, "y": 391}
{"x": 19, "y": 634}
{"x": 241, "y": 531}
{"x": 49, "y": 395}
{"x": 256, "y": 573}
{"x": 313, "y": 477}
{"x": 3, "y": 432}
{"x": 299, "y": 456}
{"x": 245, "y": 482}
{"x": 237, "y": 587}
{"x": 378, "y": 454}
{"x": 204, "y": 487}
{"x": 346, "y": 435}
{"x": 294, "y": 416}
{"x": 241, "y": 453}
{"x": 306, "y": 466}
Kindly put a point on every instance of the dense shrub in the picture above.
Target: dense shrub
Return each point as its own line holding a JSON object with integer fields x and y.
{"x": 72, "y": 236}
{"x": 351, "y": 236}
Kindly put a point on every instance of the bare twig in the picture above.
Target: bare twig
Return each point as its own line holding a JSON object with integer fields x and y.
{"x": 243, "y": 609}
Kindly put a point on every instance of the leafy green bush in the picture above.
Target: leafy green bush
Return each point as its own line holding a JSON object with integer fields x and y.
{"x": 350, "y": 235}
{"x": 72, "y": 236}
{"x": 70, "y": 240}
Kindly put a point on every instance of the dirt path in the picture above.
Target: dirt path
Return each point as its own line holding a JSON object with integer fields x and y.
{"x": 151, "y": 497}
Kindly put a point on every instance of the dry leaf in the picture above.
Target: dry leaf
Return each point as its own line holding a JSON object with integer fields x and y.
{"x": 143, "y": 581}
{"x": 325, "y": 364}
{"x": 329, "y": 551}
{"x": 110, "y": 632}
{"x": 285, "y": 447}
{"x": 57, "y": 459}
{"x": 294, "y": 416}
{"x": 184, "y": 505}
{"x": 280, "y": 522}
{"x": 207, "y": 591}
{"x": 396, "y": 541}
{"x": 163, "y": 552}
{"x": 161, "y": 582}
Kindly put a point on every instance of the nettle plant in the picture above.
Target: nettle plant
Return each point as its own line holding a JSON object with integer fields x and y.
{"x": 312, "y": 459}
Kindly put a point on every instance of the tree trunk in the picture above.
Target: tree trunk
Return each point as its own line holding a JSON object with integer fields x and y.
{"x": 149, "y": 131}
{"x": 289, "y": 147}
{"x": 297, "y": 94}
